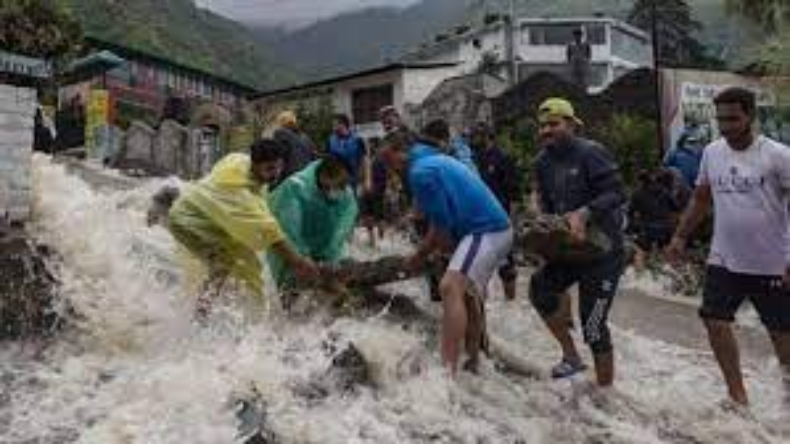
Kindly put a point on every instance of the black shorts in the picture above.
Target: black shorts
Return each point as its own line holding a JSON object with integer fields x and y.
{"x": 598, "y": 282}
{"x": 725, "y": 291}
{"x": 650, "y": 238}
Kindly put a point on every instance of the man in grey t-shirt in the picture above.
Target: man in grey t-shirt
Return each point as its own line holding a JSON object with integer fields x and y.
{"x": 745, "y": 177}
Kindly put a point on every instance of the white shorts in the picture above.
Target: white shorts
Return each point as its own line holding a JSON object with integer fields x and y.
{"x": 479, "y": 256}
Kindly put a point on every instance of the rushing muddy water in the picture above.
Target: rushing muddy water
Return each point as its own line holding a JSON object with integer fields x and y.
{"x": 133, "y": 368}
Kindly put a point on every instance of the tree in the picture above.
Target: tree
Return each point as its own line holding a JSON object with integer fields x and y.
{"x": 769, "y": 13}
{"x": 38, "y": 28}
{"x": 675, "y": 29}
{"x": 774, "y": 16}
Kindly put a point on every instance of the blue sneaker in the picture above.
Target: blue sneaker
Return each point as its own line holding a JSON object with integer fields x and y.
{"x": 567, "y": 368}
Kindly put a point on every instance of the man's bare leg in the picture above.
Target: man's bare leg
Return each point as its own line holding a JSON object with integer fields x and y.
{"x": 510, "y": 288}
{"x": 781, "y": 341}
{"x": 560, "y": 324}
{"x": 475, "y": 332}
{"x": 455, "y": 318}
{"x": 604, "y": 369}
{"x": 725, "y": 348}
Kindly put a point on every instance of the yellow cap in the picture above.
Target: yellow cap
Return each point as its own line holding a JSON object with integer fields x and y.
{"x": 287, "y": 119}
{"x": 557, "y": 107}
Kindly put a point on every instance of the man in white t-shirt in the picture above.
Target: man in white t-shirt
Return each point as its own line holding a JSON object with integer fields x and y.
{"x": 745, "y": 177}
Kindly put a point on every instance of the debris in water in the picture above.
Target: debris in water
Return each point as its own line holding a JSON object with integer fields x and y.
{"x": 253, "y": 420}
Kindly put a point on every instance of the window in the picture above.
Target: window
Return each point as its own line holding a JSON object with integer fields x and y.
{"x": 366, "y": 103}
{"x": 562, "y": 34}
{"x": 596, "y": 33}
{"x": 545, "y": 35}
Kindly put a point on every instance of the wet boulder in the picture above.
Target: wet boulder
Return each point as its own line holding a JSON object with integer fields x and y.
{"x": 349, "y": 370}
{"x": 27, "y": 289}
{"x": 161, "y": 202}
{"x": 253, "y": 417}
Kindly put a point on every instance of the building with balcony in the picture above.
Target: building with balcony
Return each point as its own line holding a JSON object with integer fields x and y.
{"x": 540, "y": 45}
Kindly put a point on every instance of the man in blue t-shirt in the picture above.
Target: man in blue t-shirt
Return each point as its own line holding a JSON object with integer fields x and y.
{"x": 465, "y": 217}
{"x": 347, "y": 145}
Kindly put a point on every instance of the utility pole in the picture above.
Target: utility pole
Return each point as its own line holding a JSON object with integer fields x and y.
{"x": 510, "y": 43}
{"x": 657, "y": 77}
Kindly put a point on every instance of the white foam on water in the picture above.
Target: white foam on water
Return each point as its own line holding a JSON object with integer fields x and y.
{"x": 136, "y": 370}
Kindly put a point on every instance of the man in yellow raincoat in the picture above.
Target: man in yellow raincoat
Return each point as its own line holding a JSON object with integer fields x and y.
{"x": 317, "y": 210}
{"x": 224, "y": 221}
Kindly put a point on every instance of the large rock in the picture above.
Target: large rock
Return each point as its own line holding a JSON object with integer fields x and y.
{"x": 349, "y": 370}
{"x": 253, "y": 417}
{"x": 170, "y": 148}
{"x": 27, "y": 290}
{"x": 137, "y": 152}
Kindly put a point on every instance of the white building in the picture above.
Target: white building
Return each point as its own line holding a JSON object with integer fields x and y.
{"x": 19, "y": 77}
{"x": 361, "y": 95}
{"x": 539, "y": 44}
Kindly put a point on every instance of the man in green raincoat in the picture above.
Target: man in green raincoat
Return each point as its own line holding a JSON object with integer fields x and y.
{"x": 317, "y": 211}
{"x": 223, "y": 221}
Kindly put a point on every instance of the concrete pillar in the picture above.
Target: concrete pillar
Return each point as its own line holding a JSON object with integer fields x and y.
{"x": 17, "y": 111}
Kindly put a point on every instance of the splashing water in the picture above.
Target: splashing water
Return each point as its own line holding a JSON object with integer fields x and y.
{"x": 136, "y": 370}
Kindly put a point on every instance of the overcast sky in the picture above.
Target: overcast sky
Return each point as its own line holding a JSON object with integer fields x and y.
{"x": 291, "y": 13}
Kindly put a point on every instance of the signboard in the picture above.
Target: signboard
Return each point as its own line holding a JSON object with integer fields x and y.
{"x": 697, "y": 108}
{"x": 24, "y": 66}
{"x": 97, "y": 117}
{"x": 705, "y": 93}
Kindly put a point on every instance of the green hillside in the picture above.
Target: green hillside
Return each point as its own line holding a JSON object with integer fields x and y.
{"x": 179, "y": 31}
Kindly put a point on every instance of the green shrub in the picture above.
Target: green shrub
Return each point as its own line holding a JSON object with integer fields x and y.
{"x": 316, "y": 119}
{"x": 634, "y": 143}
{"x": 520, "y": 141}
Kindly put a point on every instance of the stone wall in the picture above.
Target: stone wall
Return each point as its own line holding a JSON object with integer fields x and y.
{"x": 462, "y": 101}
{"x": 17, "y": 110}
{"x": 173, "y": 149}
{"x": 137, "y": 150}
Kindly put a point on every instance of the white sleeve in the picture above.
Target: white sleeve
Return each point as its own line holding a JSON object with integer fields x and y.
{"x": 781, "y": 162}
{"x": 703, "y": 177}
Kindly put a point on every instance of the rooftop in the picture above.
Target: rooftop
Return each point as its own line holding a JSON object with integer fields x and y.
{"x": 128, "y": 53}
{"x": 353, "y": 75}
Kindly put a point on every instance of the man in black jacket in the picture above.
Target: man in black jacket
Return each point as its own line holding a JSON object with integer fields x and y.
{"x": 578, "y": 179}
{"x": 299, "y": 149}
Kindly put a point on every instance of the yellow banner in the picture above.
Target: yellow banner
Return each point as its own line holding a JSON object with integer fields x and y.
{"x": 97, "y": 116}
